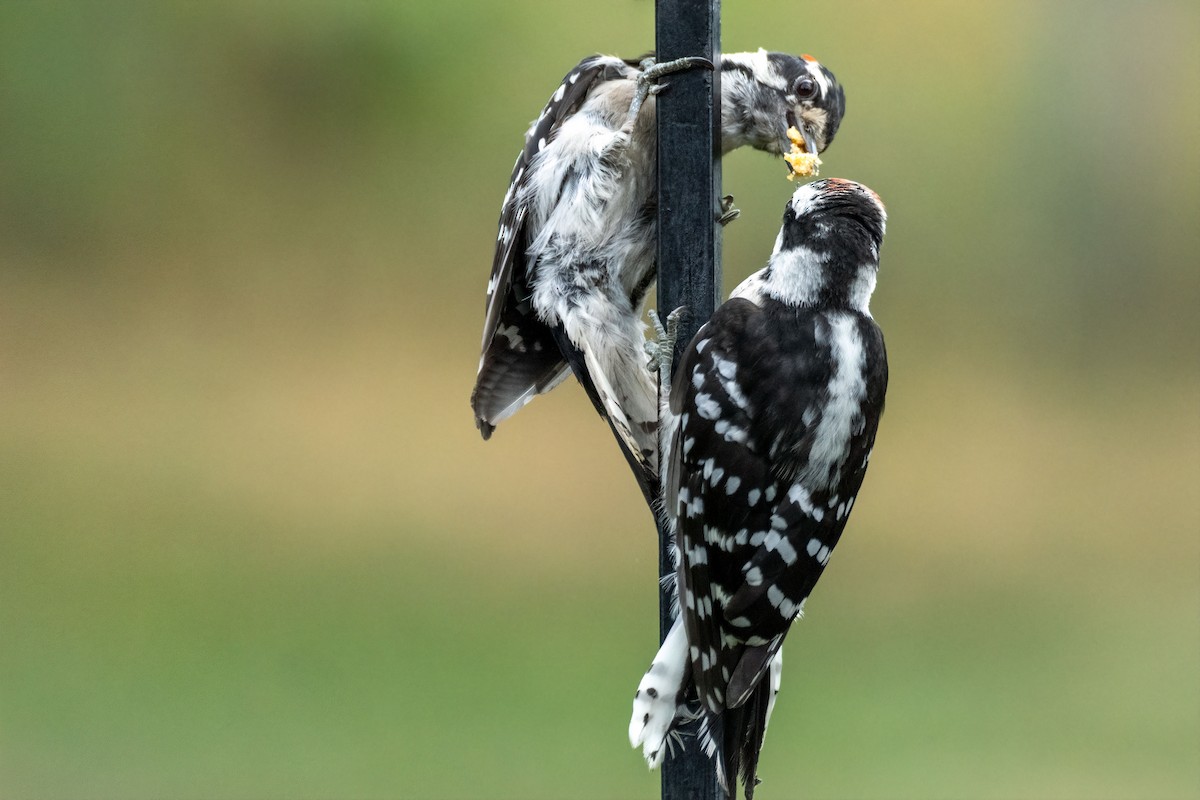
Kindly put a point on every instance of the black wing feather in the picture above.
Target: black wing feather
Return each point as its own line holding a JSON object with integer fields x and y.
{"x": 519, "y": 358}
{"x": 745, "y": 382}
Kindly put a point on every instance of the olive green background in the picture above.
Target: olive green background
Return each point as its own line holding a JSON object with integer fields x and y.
{"x": 251, "y": 545}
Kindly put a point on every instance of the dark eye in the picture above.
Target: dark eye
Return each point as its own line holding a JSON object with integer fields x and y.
{"x": 806, "y": 88}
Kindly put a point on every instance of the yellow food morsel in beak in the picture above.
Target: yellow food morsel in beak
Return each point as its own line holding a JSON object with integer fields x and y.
{"x": 803, "y": 163}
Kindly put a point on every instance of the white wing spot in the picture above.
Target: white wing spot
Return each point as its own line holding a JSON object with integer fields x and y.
{"x": 786, "y": 551}
{"x": 512, "y": 336}
{"x": 707, "y": 407}
{"x": 799, "y": 495}
{"x": 787, "y": 609}
{"x": 735, "y": 434}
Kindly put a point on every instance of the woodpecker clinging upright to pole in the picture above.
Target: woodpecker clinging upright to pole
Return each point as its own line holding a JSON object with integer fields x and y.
{"x": 575, "y": 253}
{"x": 772, "y": 416}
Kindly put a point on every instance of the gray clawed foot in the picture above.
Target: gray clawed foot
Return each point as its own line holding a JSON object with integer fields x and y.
{"x": 661, "y": 349}
{"x": 648, "y": 84}
{"x": 652, "y": 70}
{"x": 728, "y": 212}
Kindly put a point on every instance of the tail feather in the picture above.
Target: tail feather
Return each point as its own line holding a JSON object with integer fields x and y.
{"x": 753, "y": 729}
{"x": 734, "y": 738}
{"x": 515, "y": 368}
{"x": 660, "y": 703}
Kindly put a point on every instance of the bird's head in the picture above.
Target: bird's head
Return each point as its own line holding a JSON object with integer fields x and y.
{"x": 763, "y": 94}
{"x": 827, "y": 252}
{"x": 826, "y": 211}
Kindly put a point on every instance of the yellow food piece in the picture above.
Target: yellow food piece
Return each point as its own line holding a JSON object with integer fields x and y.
{"x": 803, "y": 163}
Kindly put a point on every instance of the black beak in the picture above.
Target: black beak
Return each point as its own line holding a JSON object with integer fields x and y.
{"x": 810, "y": 141}
{"x": 785, "y": 145}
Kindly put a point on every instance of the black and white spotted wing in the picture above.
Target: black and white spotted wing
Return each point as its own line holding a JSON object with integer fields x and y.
{"x": 773, "y": 413}
{"x": 520, "y": 358}
{"x": 759, "y": 497}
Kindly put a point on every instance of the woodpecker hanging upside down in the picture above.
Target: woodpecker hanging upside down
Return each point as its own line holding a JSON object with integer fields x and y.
{"x": 575, "y": 254}
{"x": 770, "y": 424}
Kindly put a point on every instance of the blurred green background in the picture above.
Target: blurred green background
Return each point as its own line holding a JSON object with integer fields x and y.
{"x": 251, "y": 545}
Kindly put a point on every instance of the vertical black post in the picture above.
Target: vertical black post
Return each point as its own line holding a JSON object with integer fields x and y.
{"x": 689, "y": 255}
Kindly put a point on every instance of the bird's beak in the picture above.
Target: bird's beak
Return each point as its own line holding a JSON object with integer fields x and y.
{"x": 785, "y": 144}
{"x": 810, "y": 140}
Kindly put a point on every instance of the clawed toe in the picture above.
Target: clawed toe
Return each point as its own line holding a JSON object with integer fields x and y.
{"x": 729, "y": 212}
{"x": 661, "y": 349}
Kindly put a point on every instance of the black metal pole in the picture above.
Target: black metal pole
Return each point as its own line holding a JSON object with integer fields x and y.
{"x": 689, "y": 255}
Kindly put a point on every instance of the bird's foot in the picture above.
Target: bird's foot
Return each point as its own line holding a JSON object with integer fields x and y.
{"x": 648, "y": 82}
{"x": 729, "y": 212}
{"x": 660, "y": 350}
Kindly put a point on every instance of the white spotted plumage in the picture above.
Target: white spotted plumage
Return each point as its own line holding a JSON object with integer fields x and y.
{"x": 795, "y": 362}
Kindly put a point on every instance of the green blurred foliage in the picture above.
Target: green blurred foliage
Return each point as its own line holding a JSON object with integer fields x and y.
{"x": 252, "y": 547}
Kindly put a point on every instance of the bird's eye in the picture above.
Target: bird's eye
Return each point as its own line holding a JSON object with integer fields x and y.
{"x": 806, "y": 88}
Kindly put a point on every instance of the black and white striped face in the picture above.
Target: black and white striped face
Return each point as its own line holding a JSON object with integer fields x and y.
{"x": 763, "y": 94}
{"x": 827, "y": 251}
{"x": 823, "y": 213}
